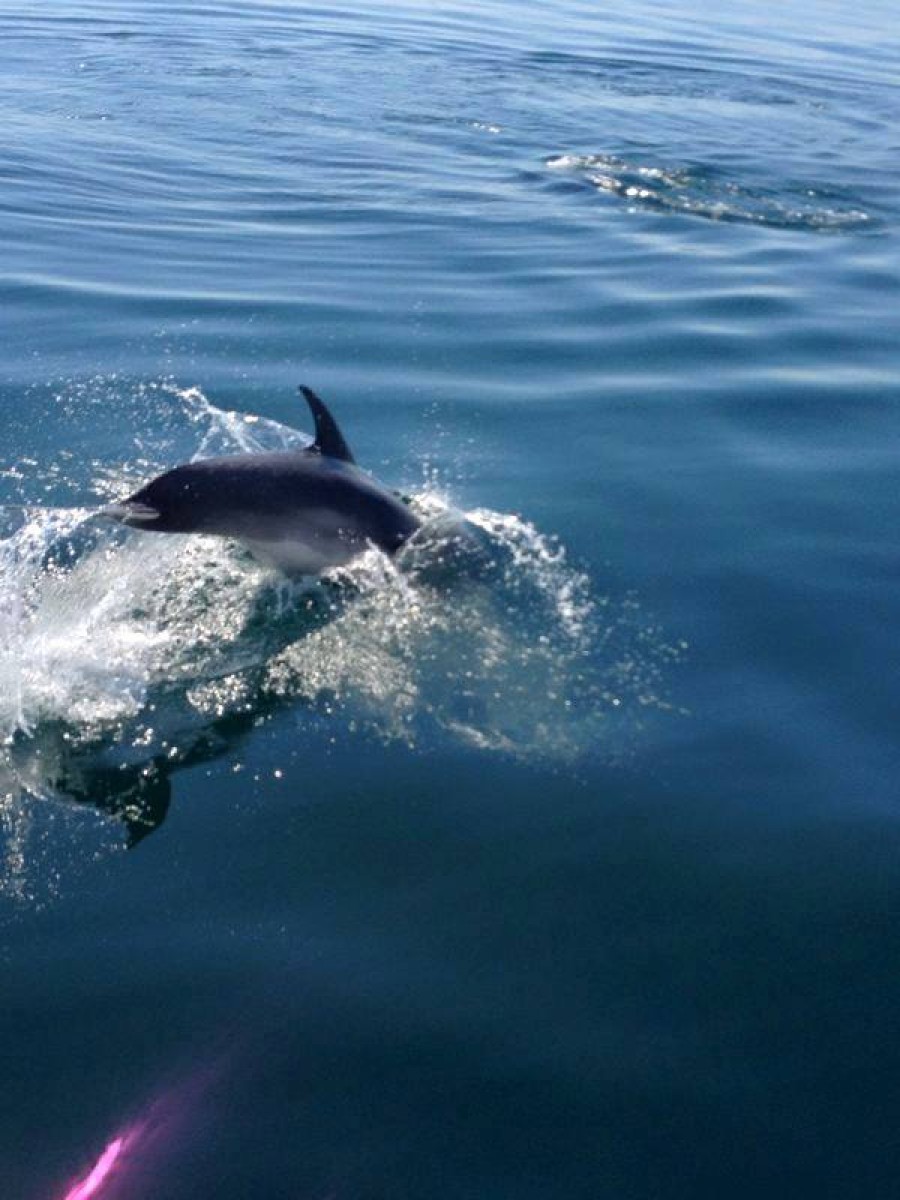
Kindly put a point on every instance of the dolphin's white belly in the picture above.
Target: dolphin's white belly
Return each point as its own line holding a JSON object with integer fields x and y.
{"x": 298, "y": 557}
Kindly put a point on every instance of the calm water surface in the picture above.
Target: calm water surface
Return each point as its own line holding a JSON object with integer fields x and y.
{"x": 572, "y": 870}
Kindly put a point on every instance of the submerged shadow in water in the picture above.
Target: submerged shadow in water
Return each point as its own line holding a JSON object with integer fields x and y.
{"x": 138, "y": 795}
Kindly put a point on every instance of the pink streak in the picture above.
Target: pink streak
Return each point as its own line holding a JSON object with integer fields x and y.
{"x": 92, "y": 1183}
{"x": 160, "y": 1124}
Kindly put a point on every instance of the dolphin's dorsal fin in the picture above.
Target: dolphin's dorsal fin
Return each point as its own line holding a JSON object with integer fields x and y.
{"x": 329, "y": 439}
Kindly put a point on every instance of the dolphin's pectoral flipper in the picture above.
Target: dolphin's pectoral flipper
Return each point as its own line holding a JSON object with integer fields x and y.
{"x": 329, "y": 439}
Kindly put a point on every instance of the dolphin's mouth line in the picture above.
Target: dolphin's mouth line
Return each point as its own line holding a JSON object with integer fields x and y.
{"x": 130, "y": 513}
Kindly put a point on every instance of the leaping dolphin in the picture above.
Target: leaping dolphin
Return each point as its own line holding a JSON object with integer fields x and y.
{"x": 303, "y": 511}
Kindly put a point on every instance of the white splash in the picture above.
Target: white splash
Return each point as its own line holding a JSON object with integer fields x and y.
{"x": 481, "y": 631}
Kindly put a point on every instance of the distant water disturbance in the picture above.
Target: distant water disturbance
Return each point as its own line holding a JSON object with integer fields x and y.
{"x": 700, "y": 191}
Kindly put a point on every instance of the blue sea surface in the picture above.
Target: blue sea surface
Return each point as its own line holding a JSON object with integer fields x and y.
{"x": 566, "y": 866}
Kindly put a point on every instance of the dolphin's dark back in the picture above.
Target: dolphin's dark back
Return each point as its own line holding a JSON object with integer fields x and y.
{"x": 250, "y": 494}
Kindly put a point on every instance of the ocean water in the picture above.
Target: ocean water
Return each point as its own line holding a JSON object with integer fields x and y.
{"x": 565, "y": 867}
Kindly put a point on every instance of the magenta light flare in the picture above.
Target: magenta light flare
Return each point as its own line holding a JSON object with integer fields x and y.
{"x": 101, "y": 1171}
{"x": 146, "y": 1141}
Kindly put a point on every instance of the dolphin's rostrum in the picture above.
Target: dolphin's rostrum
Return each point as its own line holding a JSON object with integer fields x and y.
{"x": 301, "y": 510}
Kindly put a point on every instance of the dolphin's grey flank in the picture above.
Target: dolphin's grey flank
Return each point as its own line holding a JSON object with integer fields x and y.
{"x": 301, "y": 510}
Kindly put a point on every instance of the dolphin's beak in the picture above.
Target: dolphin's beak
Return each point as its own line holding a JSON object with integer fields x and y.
{"x": 129, "y": 512}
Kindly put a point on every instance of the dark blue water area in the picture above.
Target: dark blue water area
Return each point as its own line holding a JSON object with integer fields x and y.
{"x": 568, "y": 867}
